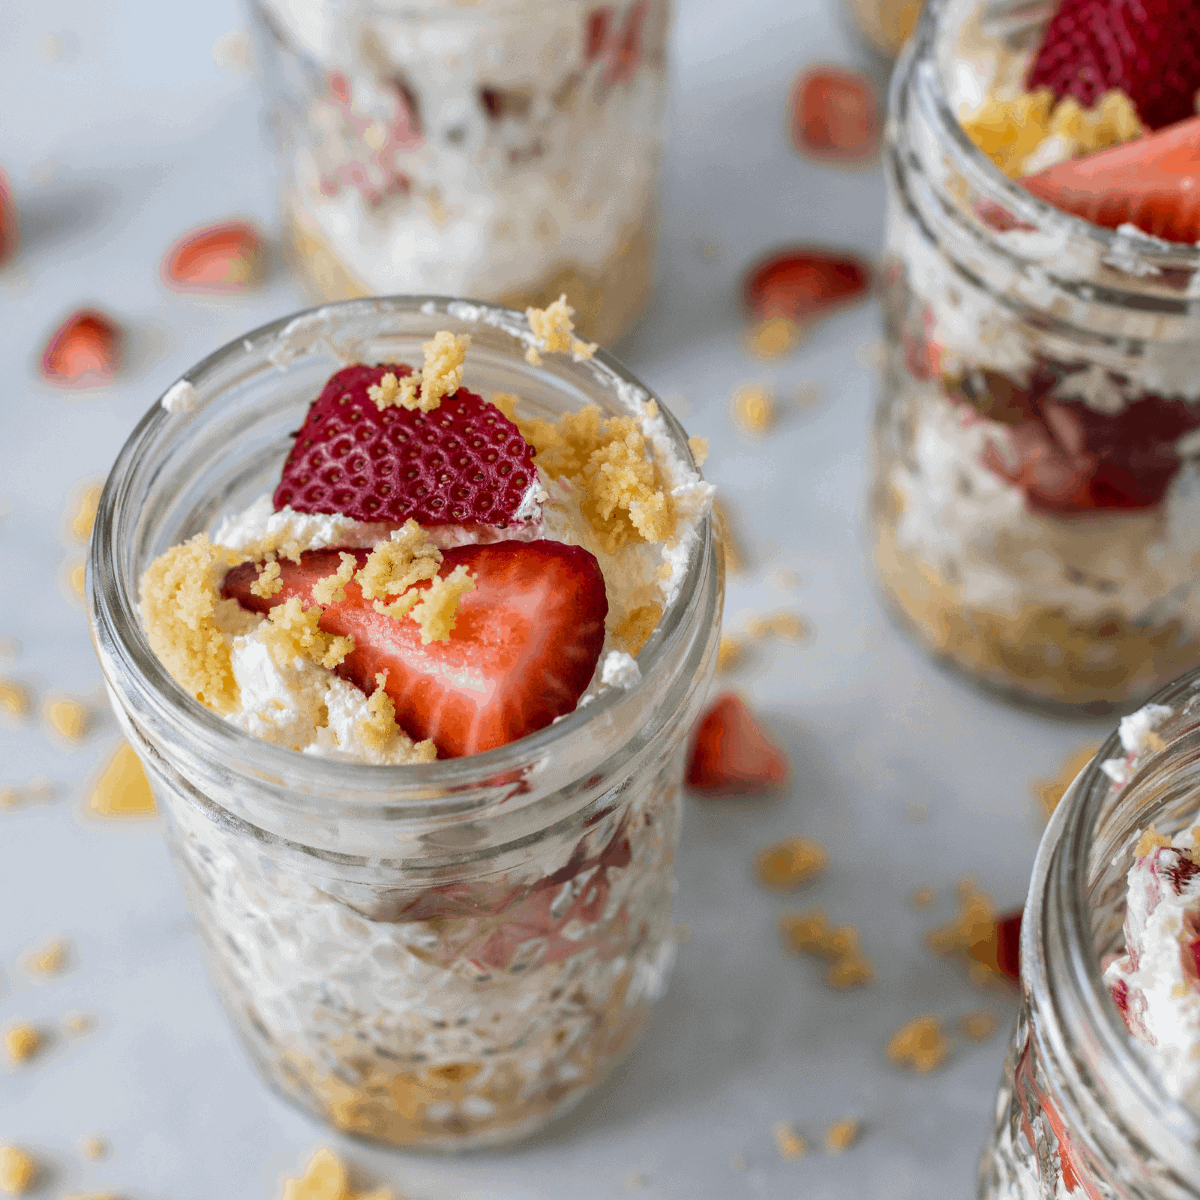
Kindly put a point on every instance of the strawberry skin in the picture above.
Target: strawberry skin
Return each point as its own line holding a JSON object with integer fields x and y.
{"x": 1150, "y": 49}
{"x": 731, "y": 753}
{"x": 523, "y": 649}
{"x": 1153, "y": 183}
{"x": 462, "y": 463}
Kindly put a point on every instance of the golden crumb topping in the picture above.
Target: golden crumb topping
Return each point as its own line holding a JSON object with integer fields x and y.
{"x": 634, "y": 632}
{"x": 773, "y": 338}
{"x": 22, "y": 1042}
{"x": 379, "y": 730}
{"x": 332, "y": 589}
{"x": 781, "y": 624}
{"x": 395, "y": 565}
{"x": 179, "y": 600}
{"x": 625, "y": 497}
{"x": 1150, "y": 841}
{"x": 978, "y": 1025}
{"x": 122, "y": 789}
{"x": 326, "y": 1178}
{"x": 18, "y": 1170}
{"x": 788, "y": 1142}
{"x": 268, "y": 583}
{"x": 920, "y": 1045}
{"x": 49, "y": 959}
{"x": 440, "y": 376}
{"x": 753, "y": 409}
{"x": 730, "y": 652}
{"x": 81, "y": 511}
{"x": 841, "y": 1135}
{"x": 437, "y": 609}
{"x": 554, "y": 333}
{"x": 811, "y": 933}
{"x": 1012, "y": 132}
{"x": 292, "y": 632}
{"x": 506, "y": 402}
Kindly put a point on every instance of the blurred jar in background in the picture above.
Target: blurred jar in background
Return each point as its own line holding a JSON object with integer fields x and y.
{"x": 886, "y": 24}
{"x": 505, "y": 150}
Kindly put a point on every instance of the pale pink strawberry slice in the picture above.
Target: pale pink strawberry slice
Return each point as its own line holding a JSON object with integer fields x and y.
{"x": 1153, "y": 183}
{"x": 1150, "y": 49}
{"x": 462, "y": 463}
{"x": 524, "y": 645}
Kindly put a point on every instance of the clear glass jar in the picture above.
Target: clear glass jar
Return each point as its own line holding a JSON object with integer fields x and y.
{"x": 1036, "y": 497}
{"x": 505, "y": 149}
{"x": 885, "y": 24}
{"x": 1081, "y": 1111}
{"x": 439, "y": 956}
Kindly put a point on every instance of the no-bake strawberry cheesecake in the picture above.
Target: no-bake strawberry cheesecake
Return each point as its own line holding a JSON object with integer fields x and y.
{"x": 438, "y": 954}
{"x": 1036, "y": 493}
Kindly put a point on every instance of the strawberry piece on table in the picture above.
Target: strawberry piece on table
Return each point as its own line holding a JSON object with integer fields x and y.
{"x": 462, "y": 463}
{"x": 1153, "y": 183}
{"x": 804, "y": 283}
{"x": 833, "y": 114}
{"x": 731, "y": 753}
{"x": 522, "y": 651}
{"x": 84, "y": 351}
{"x": 1150, "y": 49}
{"x": 216, "y": 259}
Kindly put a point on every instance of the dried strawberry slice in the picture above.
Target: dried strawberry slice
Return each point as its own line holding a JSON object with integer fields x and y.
{"x": 731, "y": 753}
{"x": 84, "y": 351}
{"x": 803, "y": 283}
{"x": 9, "y": 232}
{"x": 462, "y": 463}
{"x": 833, "y": 114}
{"x": 215, "y": 259}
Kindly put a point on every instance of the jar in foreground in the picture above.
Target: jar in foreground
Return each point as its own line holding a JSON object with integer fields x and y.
{"x": 1036, "y": 493}
{"x": 1083, "y": 1110}
{"x": 507, "y": 150}
{"x": 438, "y": 956}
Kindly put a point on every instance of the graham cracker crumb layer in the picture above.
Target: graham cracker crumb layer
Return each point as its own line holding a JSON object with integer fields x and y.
{"x": 440, "y": 376}
{"x": 554, "y": 333}
{"x": 293, "y": 632}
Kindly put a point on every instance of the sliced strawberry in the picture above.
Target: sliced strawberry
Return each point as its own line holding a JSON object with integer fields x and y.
{"x": 1008, "y": 944}
{"x": 1153, "y": 183}
{"x": 524, "y": 645}
{"x": 462, "y": 463}
{"x": 1150, "y": 49}
{"x": 731, "y": 752}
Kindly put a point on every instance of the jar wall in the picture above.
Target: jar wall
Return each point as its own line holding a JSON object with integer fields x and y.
{"x": 483, "y": 150}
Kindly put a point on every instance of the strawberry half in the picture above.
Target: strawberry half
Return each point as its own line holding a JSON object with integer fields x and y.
{"x": 1150, "y": 49}
{"x": 731, "y": 753}
{"x": 523, "y": 648}
{"x": 462, "y": 463}
{"x": 1153, "y": 183}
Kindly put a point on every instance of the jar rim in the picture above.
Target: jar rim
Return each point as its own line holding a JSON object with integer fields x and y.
{"x": 419, "y": 790}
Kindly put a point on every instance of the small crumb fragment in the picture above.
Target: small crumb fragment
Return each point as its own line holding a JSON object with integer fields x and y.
{"x": 440, "y": 376}
{"x": 507, "y": 403}
{"x": 49, "y": 959}
{"x": 80, "y": 514}
{"x": 978, "y": 1025}
{"x": 784, "y": 625}
{"x": 852, "y": 970}
{"x": 15, "y": 700}
{"x": 699, "y": 448}
{"x": 788, "y": 863}
{"x": 326, "y": 1178}
{"x": 68, "y": 718}
{"x": 79, "y": 1023}
{"x": 1048, "y": 792}
{"x": 180, "y": 397}
{"x": 811, "y": 933}
{"x": 634, "y": 632}
{"x": 753, "y": 409}
{"x": 636, "y": 1180}
{"x": 122, "y": 789}
{"x": 788, "y": 1142}
{"x": 18, "y": 1170}
{"x": 735, "y": 554}
{"x": 920, "y": 1045}
{"x": 75, "y": 576}
{"x": 270, "y": 583}
{"x": 737, "y": 1162}
{"x": 730, "y": 652}
{"x": 1150, "y": 841}
{"x": 773, "y": 338}
{"x": 841, "y": 1135}
{"x": 553, "y": 331}
{"x": 39, "y": 791}
{"x": 923, "y": 897}
{"x": 94, "y": 1147}
{"x": 916, "y": 812}
{"x": 22, "y": 1042}
{"x": 808, "y": 395}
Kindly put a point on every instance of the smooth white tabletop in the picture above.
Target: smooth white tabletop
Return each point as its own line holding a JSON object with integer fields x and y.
{"x": 119, "y": 133}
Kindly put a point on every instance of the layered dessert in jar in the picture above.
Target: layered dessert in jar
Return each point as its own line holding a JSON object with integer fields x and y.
{"x": 505, "y": 149}
{"x": 1035, "y": 498}
{"x": 426, "y": 697}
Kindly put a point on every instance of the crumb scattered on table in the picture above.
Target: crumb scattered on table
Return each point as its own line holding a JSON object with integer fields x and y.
{"x": 95, "y": 1147}
{"x": 79, "y": 1023}
{"x": 730, "y": 652}
{"x": 786, "y": 864}
{"x": 785, "y": 625}
{"x": 753, "y": 409}
{"x": 22, "y": 1042}
{"x": 68, "y": 718}
{"x": 923, "y": 897}
{"x": 773, "y": 338}
{"x": 49, "y": 959}
{"x": 841, "y": 1135}
{"x": 18, "y": 1170}
{"x": 122, "y": 789}
{"x": 978, "y": 1025}
{"x": 326, "y": 1178}
{"x": 788, "y": 1142}
{"x": 915, "y": 811}
{"x": 1048, "y": 792}
{"x": 15, "y": 700}
{"x": 811, "y": 933}
{"x": 920, "y": 1045}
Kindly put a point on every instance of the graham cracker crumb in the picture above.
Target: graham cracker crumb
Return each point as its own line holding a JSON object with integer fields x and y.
{"x": 978, "y": 1025}
{"x": 735, "y": 554}
{"x": 808, "y": 395}
{"x": 634, "y": 632}
{"x": 730, "y": 652}
{"x": 788, "y": 1142}
{"x": 841, "y": 1135}
{"x": 179, "y": 599}
{"x": 326, "y": 1178}
{"x": 699, "y": 448}
{"x": 783, "y": 624}
{"x": 971, "y": 936}
{"x": 916, "y": 812}
{"x": 268, "y": 583}
{"x": 379, "y": 731}
{"x": 737, "y": 1162}
{"x": 507, "y": 403}
{"x": 440, "y": 376}
{"x": 95, "y": 1147}
{"x": 10, "y": 797}
{"x": 332, "y": 589}
{"x": 292, "y": 632}
{"x": 636, "y": 1180}
{"x": 811, "y": 933}
{"x": 789, "y": 863}
{"x": 18, "y": 1170}
{"x": 920, "y": 1045}
{"x": 395, "y": 565}
{"x": 1149, "y": 842}
{"x": 122, "y": 789}
{"x": 850, "y": 971}
{"x": 49, "y": 959}
{"x": 1049, "y": 792}
{"x": 436, "y": 612}
{"x": 76, "y": 577}
{"x": 68, "y": 718}
{"x": 625, "y": 498}
{"x": 80, "y": 515}
{"x": 773, "y": 338}
{"x": 15, "y": 700}
{"x": 553, "y": 331}
{"x": 22, "y": 1042}
{"x": 923, "y": 897}
{"x": 753, "y": 409}
{"x": 79, "y": 1023}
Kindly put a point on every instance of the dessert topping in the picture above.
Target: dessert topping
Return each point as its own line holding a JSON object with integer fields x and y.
{"x": 920, "y": 1045}
{"x": 216, "y": 259}
{"x": 554, "y": 333}
{"x": 440, "y": 376}
{"x": 731, "y": 753}
{"x": 84, "y": 351}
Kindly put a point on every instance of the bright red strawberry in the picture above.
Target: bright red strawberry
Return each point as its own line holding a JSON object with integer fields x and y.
{"x": 523, "y": 648}
{"x": 731, "y": 753}
{"x": 84, "y": 351}
{"x": 462, "y": 463}
{"x": 1153, "y": 183}
{"x": 1150, "y": 49}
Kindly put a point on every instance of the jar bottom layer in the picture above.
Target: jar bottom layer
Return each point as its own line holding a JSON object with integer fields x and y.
{"x": 1041, "y": 655}
{"x": 607, "y": 301}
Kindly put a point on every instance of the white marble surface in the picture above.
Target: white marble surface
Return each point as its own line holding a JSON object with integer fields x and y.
{"x": 148, "y": 137}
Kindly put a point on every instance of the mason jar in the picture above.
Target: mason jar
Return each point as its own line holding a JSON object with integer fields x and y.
{"x": 1036, "y": 500}
{"x": 506, "y": 149}
{"x": 444, "y": 955}
{"x": 1081, "y": 1111}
